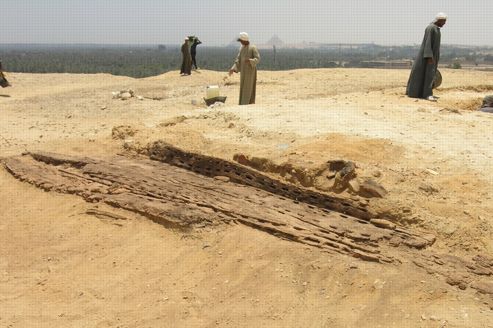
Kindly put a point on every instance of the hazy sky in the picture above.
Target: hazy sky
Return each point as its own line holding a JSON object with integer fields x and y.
{"x": 218, "y": 22}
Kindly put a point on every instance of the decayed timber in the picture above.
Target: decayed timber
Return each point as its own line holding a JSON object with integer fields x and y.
{"x": 212, "y": 166}
{"x": 180, "y": 198}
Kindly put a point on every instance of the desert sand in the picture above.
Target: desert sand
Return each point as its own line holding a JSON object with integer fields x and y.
{"x": 60, "y": 266}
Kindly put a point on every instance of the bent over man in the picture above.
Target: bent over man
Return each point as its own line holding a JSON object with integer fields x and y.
{"x": 420, "y": 84}
{"x": 246, "y": 64}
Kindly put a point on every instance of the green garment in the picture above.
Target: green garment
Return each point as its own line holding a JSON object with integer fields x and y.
{"x": 248, "y": 73}
{"x": 422, "y": 76}
{"x": 186, "y": 65}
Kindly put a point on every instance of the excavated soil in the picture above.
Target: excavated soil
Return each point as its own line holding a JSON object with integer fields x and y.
{"x": 334, "y": 202}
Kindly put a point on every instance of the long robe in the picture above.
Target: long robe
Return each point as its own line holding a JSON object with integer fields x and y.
{"x": 248, "y": 73}
{"x": 186, "y": 64}
{"x": 3, "y": 80}
{"x": 420, "y": 84}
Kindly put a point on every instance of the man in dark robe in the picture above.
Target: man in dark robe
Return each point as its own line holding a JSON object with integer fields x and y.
{"x": 487, "y": 104}
{"x": 3, "y": 80}
{"x": 193, "y": 51}
{"x": 186, "y": 65}
{"x": 420, "y": 84}
{"x": 246, "y": 64}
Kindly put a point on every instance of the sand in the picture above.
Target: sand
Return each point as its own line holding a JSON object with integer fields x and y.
{"x": 61, "y": 267}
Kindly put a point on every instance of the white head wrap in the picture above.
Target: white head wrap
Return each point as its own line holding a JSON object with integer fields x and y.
{"x": 244, "y": 37}
{"x": 440, "y": 16}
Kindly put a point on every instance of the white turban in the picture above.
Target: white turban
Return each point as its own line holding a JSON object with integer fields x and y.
{"x": 440, "y": 16}
{"x": 244, "y": 37}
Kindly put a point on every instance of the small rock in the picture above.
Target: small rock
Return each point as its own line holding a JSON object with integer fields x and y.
{"x": 432, "y": 172}
{"x": 129, "y": 91}
{"x": 383, "y": 224}
{"x": 378, "y": 284}
{"x": 345, "y": 172}
{"x": 231, "y": 125}
{"x": 456, "y": 281}
{"x": 370, "y": 188}
{"x": 122, "y": 132}
{"x": 376, "y": 174}
{"x": 242, "y": 159}
{"x": 127, "y": 143}
{"x": 222, "y": 178}
{"x": 140, "y": 98}
{"x": 450, "y": 229}
{"x": 484, "y": 287}
{"x": 103, "y": 107}
{"x": 216, "y": 104}
{"x": 354, "y": 186}
{"x": 428, "y": 189}
{"x": 125, "y": 96}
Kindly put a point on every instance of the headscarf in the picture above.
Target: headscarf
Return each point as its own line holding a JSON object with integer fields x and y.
{"x": 440, "y": 16}
{"x": 244, "y": 37}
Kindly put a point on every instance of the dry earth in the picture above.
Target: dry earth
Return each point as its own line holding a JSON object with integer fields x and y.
{"x": 63, "y": 267}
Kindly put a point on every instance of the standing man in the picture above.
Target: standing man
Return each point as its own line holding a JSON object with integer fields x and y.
{"x": 3, "y": 81}
{"x": 193, "y": 51}
{"x": 246, "y": 64}
{"x": 425, "y": 65}
{"x": 186, "y": 64}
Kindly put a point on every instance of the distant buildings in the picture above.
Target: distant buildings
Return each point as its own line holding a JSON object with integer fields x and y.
{"x": 389, "y": 64}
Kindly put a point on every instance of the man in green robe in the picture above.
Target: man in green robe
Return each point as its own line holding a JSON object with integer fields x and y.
{"x": 246, "y": 64}
{"x": 425, "y": 65}
{"x": 186, "y": 64}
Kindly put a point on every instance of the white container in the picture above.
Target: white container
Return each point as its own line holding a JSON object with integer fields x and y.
{"x": 212, "y": 91}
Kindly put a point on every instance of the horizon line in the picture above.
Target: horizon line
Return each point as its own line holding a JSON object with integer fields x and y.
{"x": 227, "y": 45}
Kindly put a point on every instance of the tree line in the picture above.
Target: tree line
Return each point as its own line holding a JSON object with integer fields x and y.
{"x": 144, "y": 61}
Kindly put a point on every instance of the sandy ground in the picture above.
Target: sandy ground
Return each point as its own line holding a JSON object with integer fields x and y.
{"x": 60, "y": 267}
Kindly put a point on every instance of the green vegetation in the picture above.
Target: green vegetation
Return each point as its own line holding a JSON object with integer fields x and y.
{"x": 143, "y": 61}
{"x": 456, "y": 65}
